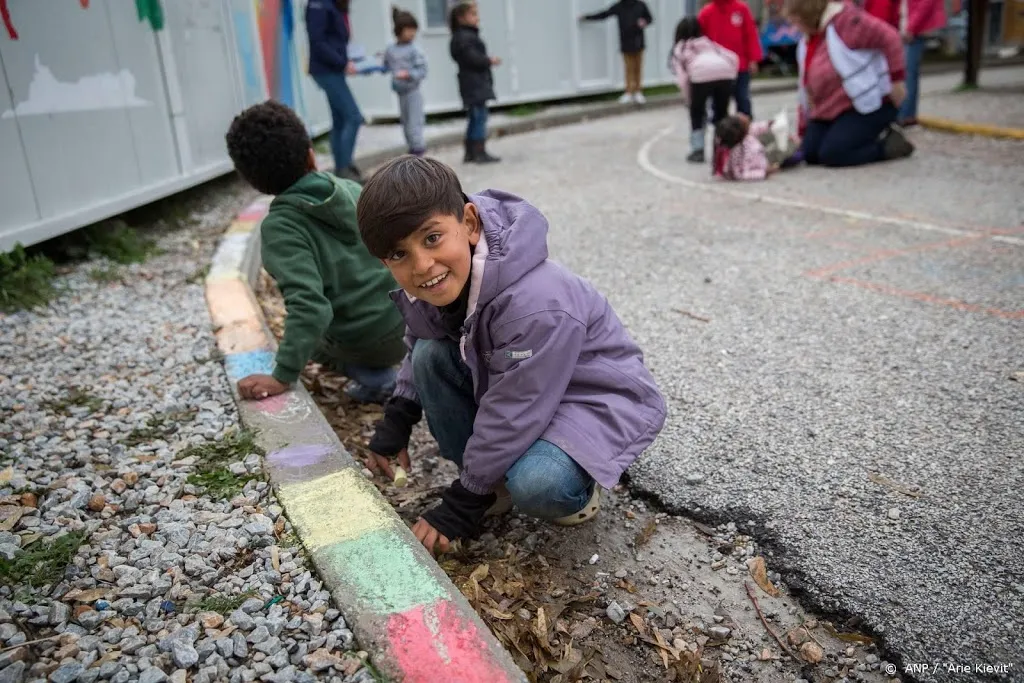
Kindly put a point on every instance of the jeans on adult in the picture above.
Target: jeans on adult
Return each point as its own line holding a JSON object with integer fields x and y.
{"x": 345, "y": 117}
{"x": 914, "y": 53}
{"x": 851, "y": 139}
{"x": 544, "y": 482}
{"x": 476, "y": 123}
{"x": 742, "y": 94}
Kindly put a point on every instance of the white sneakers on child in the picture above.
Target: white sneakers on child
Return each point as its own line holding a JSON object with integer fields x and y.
{"x": 636, "y": 98}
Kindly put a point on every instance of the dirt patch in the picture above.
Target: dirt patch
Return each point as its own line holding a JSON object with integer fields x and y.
{"x": 634, "y": 596}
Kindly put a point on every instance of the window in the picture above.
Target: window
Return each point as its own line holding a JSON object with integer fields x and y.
{"x": 437, "y": 12}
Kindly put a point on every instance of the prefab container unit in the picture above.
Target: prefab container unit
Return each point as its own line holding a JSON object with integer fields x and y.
{"x": 103, "y": 110}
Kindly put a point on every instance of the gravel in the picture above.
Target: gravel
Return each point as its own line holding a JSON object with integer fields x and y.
{"x": 140, "y": 597}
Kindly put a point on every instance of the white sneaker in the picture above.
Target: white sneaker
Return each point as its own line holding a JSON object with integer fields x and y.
{"x": 588, "y": 511}
{"x": 502, "y": 505}
{"x": 639, "y": 98}
{"x": 626, "y": 98}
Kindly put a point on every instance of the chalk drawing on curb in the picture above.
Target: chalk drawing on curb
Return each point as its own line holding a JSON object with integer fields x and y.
{"x": 286, "y": 407}
{"x": 381, "y": 570}
{"x": 436, "y": 637}
{"x": 239, "y": 365}
{"x": 336, "y": 507}
{"x": 299, "y": 456}
{"x": 47, "y": 95}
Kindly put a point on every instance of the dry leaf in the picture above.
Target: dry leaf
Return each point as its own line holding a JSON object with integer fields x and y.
{"x": 759, "y": 572}
{"x": 895, "y": 486}
{"x": 480, "y": 573}
{"x": 146, "y": 458}
{"x": 849, "y": 637}
{"x": 91, "y": 595}
{"x": 645, "y": 534}
{"x": 9, "y": 516}
{"x": 638, "y": 623}
{"x": 540, "y": 629}
{"x": 275, "y": 558}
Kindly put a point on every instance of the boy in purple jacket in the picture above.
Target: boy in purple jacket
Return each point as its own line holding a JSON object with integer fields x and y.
{"x": 529, "y": 381}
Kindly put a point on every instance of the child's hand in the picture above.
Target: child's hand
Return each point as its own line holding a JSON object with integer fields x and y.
{"x": 256, "y": 387}
{"x": 382, "y": 464}
{"x": 402, "y": 75}
{"x": 496, "y": 61}
{"x": 754, "y": 67}
{"x": 351, "y": 69}
{"x": 642, "y": 23}
{"x": 430, "y": 537}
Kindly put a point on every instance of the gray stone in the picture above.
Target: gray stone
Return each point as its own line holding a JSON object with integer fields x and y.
{"x": 258, "y": 635}
{"x": 186, "y": 635}
{"x": 13, "y": 673}
{"x": 616, "y": 613}
{"x": 59, "y": 613}
{"x": 67, "y": 673}
{"x": 720, "y": 632}
{"x": 241, "y": 648}
{"x": 108, "y": 669}
{"x": 9, "y": 550}
{"x": 91, "y": 619}
{"x": 89, "y": 676}
{"x": 275, "y": 625}
{"x": 152, "y": 675}
{"x": 279, "y": 660}
{"x": 251, "y": 606}
{"x": 242, "y": 620}
{"x": 184, "y": 655}
{"x": 225, "y": 647}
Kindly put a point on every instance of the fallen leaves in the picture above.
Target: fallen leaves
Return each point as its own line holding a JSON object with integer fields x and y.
{"x": 759, "y": 572}
{"x": 895, "y": 486}
{"x": 646, "y": 533}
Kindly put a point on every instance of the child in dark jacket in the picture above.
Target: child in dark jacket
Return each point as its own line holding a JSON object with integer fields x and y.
{"x": 476, "y": 82}
{"x": 335, "y": 292}
{"x": 633, "y": 16}
{"x": 731, "y": 24}
{"x": 529, "y": 381}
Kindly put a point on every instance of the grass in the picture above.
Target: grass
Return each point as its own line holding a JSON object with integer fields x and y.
{"x": 118, "y": 242}
{"x": 212, "y": 471}
{"x": 42, "y": 565}
{"x": 223, "y": 603}
{"x": 198, "y": 275}
{"x": 75, "y": 398}
{"x": 26, "y": 281}
{"x": 159, "y": 426}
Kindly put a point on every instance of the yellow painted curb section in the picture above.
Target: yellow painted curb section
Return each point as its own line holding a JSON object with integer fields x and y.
{"x": 314, "y": 506}
{"x": 964, "y": 128}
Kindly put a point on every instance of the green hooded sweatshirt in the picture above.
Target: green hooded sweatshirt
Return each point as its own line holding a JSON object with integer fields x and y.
{"x": 335, "y": 291}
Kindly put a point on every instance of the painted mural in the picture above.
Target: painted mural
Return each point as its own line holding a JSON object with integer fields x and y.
{"x": 276, "y": 26}
{"x": 148, "y": 10}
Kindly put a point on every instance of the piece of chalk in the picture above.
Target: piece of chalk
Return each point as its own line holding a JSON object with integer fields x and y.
{"x": 401, "y": 478}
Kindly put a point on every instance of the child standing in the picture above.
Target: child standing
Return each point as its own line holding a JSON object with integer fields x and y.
{"x": 704, "y": 71}
{"x": 408, "y": 67}
{"x": 731, "y": 24}
{"x": 476, "y": 82}
{"x": 529, "y": 381}
{"x": 633, "y": 16}
{"x": 335, "y": 292}
{"x": 746, "y": 150}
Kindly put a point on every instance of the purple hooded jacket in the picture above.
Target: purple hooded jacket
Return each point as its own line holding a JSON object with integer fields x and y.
{"x": 549, "y": 358}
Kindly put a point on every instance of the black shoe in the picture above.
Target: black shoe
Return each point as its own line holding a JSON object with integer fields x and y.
{"x": 482, "y": 157}
{"x": 696, "y": 156}
{"x": 895, "y": 144}
{"x": 470, "y": 155}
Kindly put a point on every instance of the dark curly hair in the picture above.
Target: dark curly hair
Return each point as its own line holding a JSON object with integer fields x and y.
{"x": 269, "y": 146}
{"x": 402, "y": 20}
{"x": 730, "y": 131}
{"x": 403, "y": 195}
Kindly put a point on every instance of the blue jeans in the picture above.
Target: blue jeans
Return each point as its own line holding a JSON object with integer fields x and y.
{"x": 371, "y": 378}
{"x": 476, "y": 123}
{"x": 544, "y": 483}
{"x": 851, "y": 139}
{"x": 345, "y": 117}
{"x": 914, "y": 52}
{"x": 742, "y": 94}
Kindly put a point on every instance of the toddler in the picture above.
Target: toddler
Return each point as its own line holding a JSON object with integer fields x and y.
{"x": 752, "y": 151}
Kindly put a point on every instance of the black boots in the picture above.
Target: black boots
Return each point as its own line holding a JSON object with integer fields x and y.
{"x": 476, "y": 153}
{"x": 350, "y": 173}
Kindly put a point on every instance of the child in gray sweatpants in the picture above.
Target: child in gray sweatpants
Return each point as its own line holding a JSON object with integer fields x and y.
{"x": 408, "y": 67}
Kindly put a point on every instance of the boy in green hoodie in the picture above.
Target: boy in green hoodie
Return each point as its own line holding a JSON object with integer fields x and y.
{"x": 336, "y": 294}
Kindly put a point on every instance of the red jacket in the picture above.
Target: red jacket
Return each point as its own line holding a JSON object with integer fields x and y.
{"x": 886, "y": 10}
{"x": 730, "y": 24}
{"x": 925, "y": 16}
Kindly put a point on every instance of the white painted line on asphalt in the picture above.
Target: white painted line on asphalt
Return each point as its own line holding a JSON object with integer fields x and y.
{"x": 643, "y": 159}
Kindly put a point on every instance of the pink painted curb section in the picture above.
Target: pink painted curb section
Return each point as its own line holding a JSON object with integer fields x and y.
{"x": 404, "y": 610}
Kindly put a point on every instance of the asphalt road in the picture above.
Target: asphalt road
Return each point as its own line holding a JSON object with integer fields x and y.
{"x": 850, "y": 397}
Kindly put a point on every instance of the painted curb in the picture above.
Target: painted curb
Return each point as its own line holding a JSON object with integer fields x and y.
{"x": 964, "y": 128}
{"x": 402, "y": 607}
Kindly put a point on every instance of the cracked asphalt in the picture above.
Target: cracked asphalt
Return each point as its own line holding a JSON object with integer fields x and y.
{"x": 842, "y": 353}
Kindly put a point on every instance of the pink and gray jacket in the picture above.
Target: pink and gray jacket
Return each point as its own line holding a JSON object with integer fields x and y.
{"x": 700, "y": 60}
{"x": 549, "y": 357}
